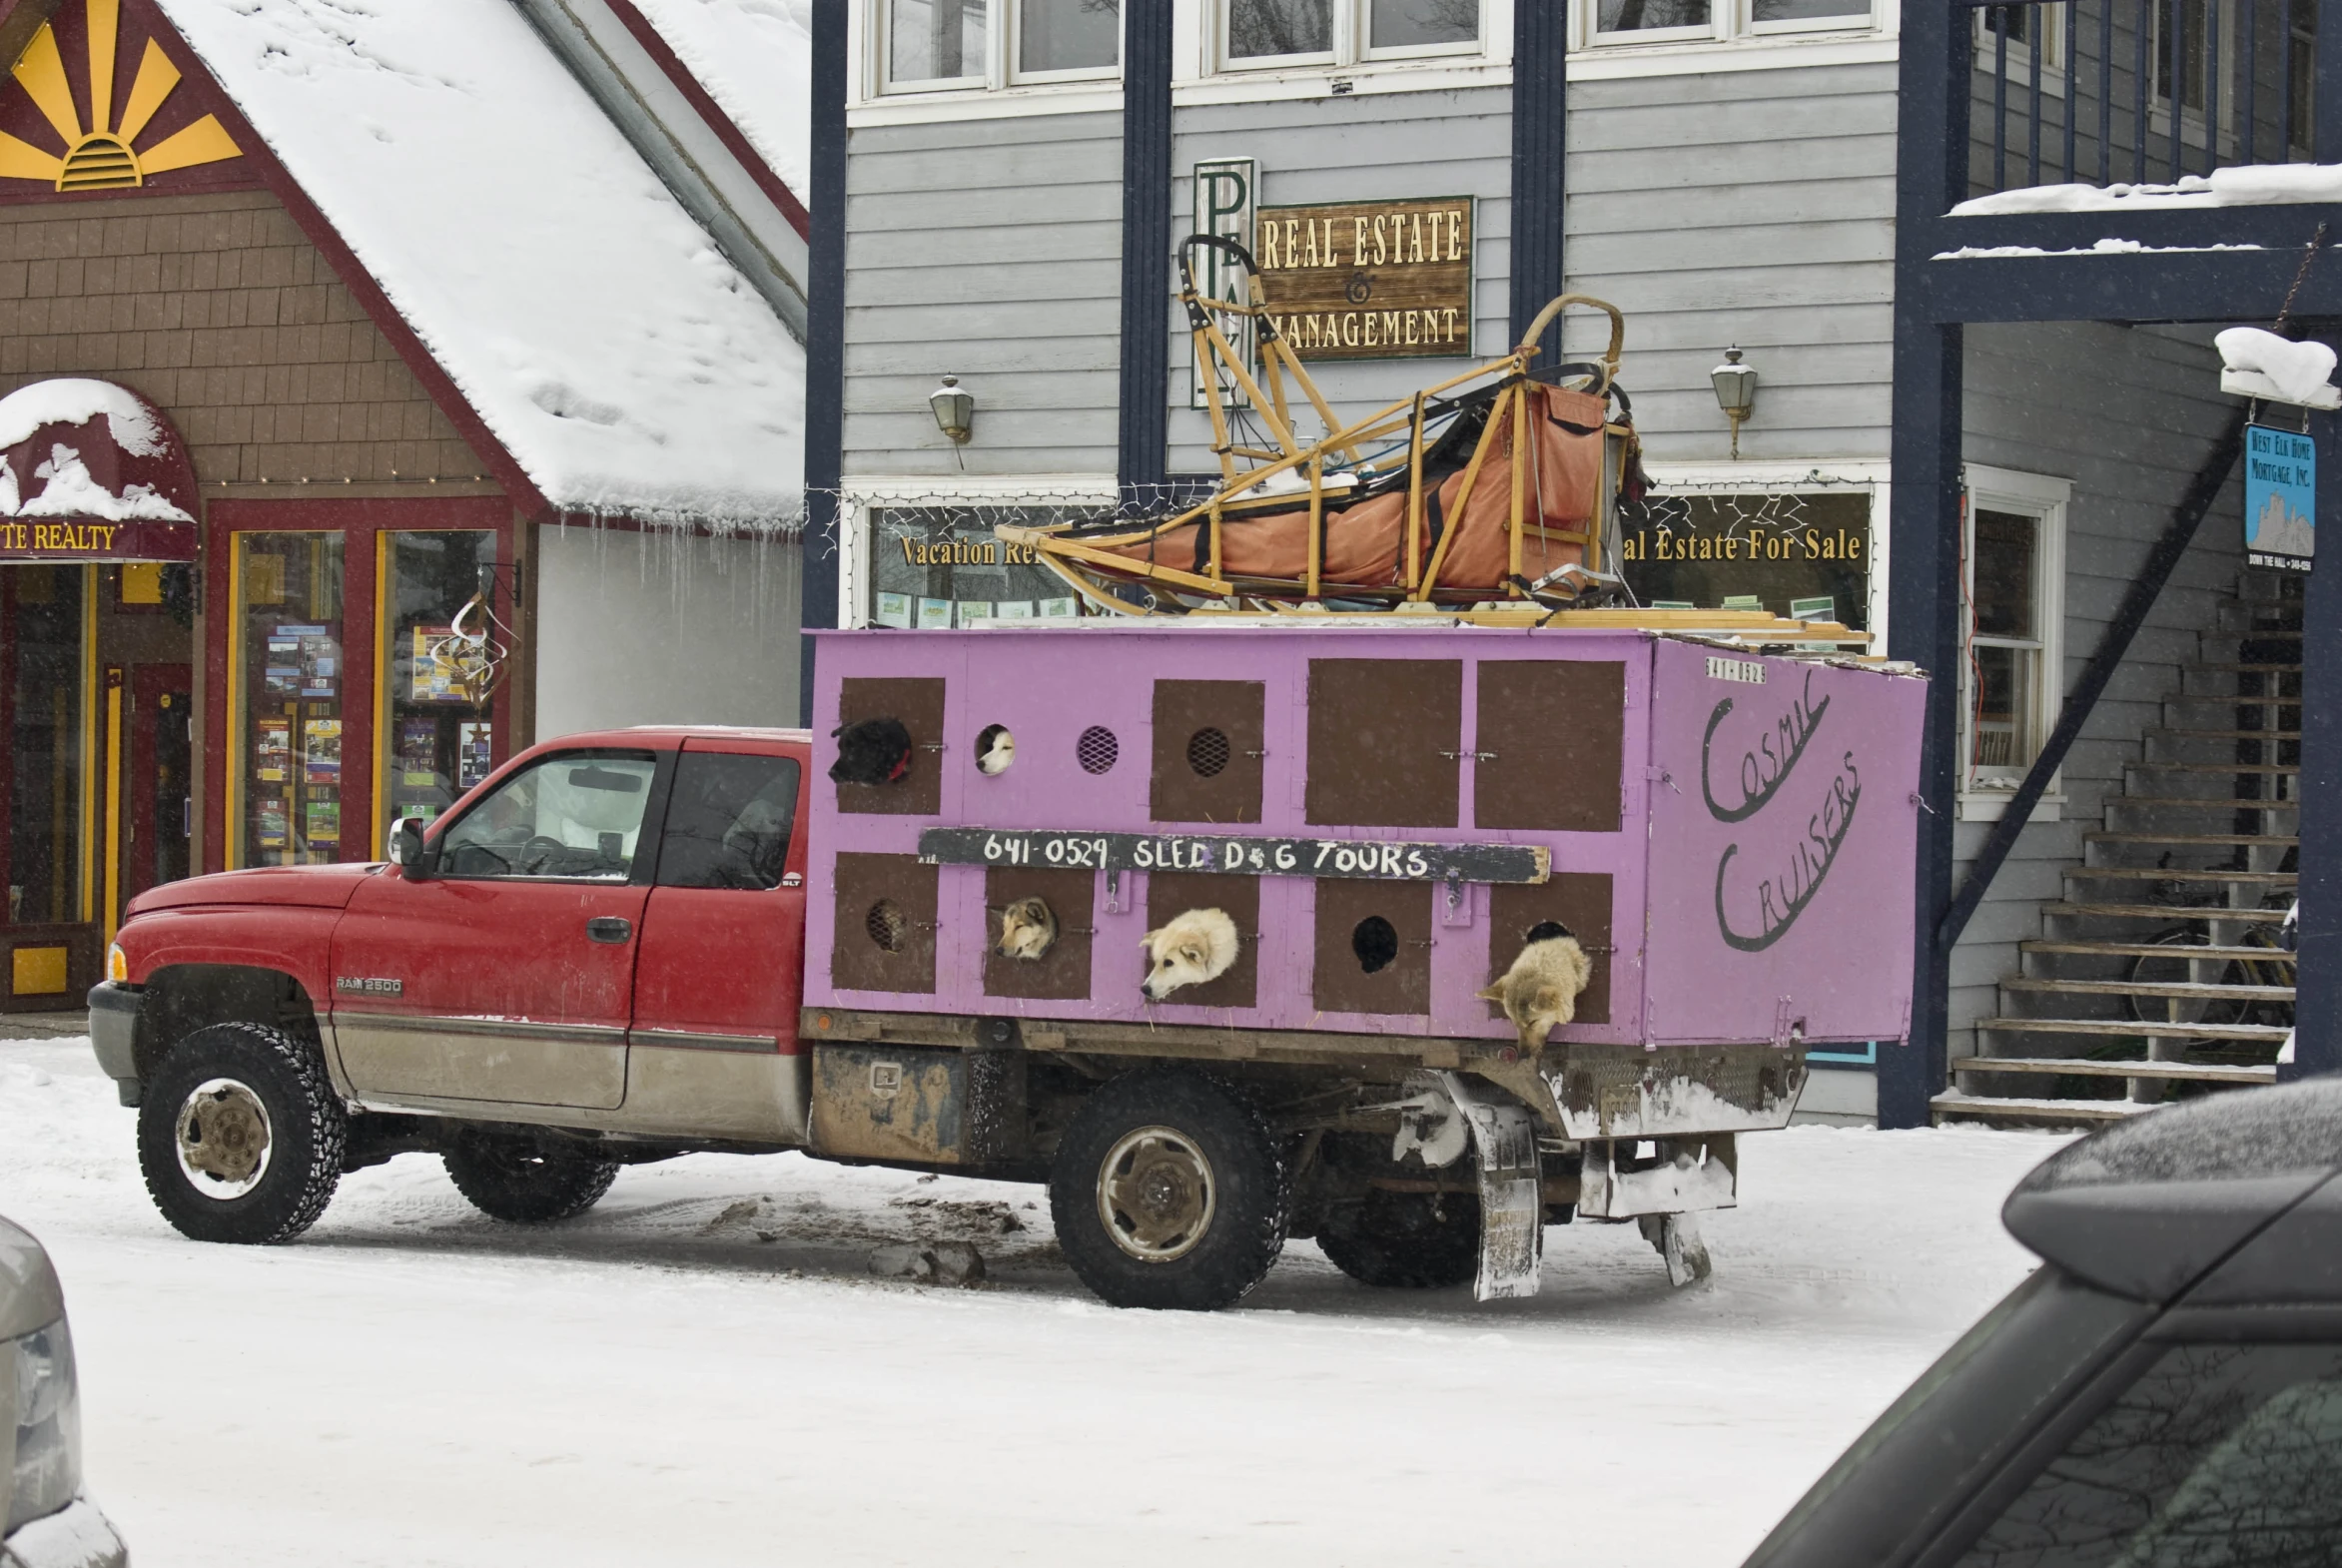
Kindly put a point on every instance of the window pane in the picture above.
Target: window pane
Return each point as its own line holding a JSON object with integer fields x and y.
{"x": 1419, "y": 24}
{"x": 1815, "y": 10}
{"x": 2217, "y": 1457}
{"x": 940, "y": 566}
{"x": 574, "y": 816}
{"x": 1632, "y": 16}
{"x": 289, "y": 640}
{"x": 935, "y": 40}
{"x": 440, "y": 737}
{"x": 44, "y": 794}
{"x": 1256, "y": 28}
{"x": 728, "y": 823}
{"x": 1069, "y": 35}
{"x": 2005, "y": 739}
{"x": 2004, "y": 574}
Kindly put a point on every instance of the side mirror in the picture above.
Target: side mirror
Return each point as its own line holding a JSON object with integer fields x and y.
{"x": 404, "y": 849}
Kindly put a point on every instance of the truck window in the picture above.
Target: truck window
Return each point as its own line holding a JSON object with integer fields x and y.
{"x": 2217, "y": 1454}
{"x": 728, "y": 821}
{"x": 574, "y": 817}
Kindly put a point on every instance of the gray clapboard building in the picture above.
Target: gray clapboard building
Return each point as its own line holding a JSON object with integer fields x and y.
{"x": 1014, "y": 176}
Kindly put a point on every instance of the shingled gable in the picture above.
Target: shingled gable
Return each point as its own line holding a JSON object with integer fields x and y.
{"x": 565, "y": 312}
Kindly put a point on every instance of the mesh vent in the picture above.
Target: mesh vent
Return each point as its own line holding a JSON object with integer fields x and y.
{"x": 887, "y": 925}
{"x": 1096, "y": 749}
{"x": 1207, "y": 752}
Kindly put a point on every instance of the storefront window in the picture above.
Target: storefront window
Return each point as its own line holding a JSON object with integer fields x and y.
{"x": 1805, "y": 555}
{"x": 938, "y": 566}
{"x": 289, "y": 673}
{"x": 45, "y": 608}
{"x": 435, "y": 732}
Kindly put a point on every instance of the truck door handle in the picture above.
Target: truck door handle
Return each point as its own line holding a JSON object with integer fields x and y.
{"x": 610, "y": 928}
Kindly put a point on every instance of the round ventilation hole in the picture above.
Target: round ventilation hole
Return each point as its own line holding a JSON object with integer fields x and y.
{"x": 1096, "y": 749}
{"x": 887, "y": 925}
{"x": 1207, "y": 752}
{"x": 995, "y": 749}
{"x": 1375, "y": 942}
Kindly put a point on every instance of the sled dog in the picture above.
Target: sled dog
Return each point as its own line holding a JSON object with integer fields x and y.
{"x": 1029, "y": 930}
{"x": 998, "y": 755}
{"x": 1192, "y": 948}
{"x": 1540, "y": 991}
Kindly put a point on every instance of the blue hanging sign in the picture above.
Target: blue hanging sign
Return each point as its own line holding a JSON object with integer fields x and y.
{"x": 2280, "y": 498}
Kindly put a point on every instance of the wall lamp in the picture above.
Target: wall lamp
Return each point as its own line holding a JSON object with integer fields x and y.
{"x": 954, "y": 410}
{"x": 1736, "y": 392}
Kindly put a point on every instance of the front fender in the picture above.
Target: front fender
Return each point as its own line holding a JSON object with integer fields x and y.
{"x": 296, "y": 941}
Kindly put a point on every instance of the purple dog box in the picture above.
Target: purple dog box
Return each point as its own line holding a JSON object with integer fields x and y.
{"x": 1384, "y": 813}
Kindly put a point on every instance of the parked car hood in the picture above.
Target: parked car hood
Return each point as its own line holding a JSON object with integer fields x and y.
{"x": 312, "y": 887}
{"x": 29, "y": 1294}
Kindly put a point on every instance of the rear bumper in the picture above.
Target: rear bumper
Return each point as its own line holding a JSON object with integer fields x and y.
{"x": 114, "y": 1014}
{"x": 75, "y": 1536}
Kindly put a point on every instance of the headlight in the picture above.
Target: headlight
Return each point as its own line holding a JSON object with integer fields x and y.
{"x": 48, "y": 1424}
{"x": 117, "y": 963}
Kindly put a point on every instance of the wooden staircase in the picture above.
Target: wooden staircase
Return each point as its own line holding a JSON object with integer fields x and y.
{"x": 2158, "y": 976}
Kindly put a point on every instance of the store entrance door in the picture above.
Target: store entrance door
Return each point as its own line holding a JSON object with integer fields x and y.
{"x": 157, "y": 816}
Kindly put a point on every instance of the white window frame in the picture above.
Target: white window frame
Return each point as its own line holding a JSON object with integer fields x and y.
{"x": 1353, "y": 25}
{"x": 1730, "y": 22}
{"x": 1004, "y": 24}
{"x": 2021, "y": 55}
{"x": 2047, "y": 499}
{"x": 2192, "y": 129}
{"x": 861, "y": 495}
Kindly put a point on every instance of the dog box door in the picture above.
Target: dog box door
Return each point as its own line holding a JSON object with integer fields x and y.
{"x": 1062, "y": 973}
{"x": 1383, "y": 740}
{"x": 1550, "y": 737}
{"x": 885, "y": 937}
{"x": 1580, "y": 900}
{"x": 1209, "y": 742}
{"x": 1170, "y": 894}
{"x": 1373, "y": 946}
{"x": 919, "y": 705}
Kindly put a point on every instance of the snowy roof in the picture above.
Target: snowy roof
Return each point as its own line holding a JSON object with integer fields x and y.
{"x": 755, "y": 58}
{"x": 595, "y": 329}
{"x": 2251, "y": 185}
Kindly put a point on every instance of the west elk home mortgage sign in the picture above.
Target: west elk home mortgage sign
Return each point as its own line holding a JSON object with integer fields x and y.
{"x": 1369, "y": 279}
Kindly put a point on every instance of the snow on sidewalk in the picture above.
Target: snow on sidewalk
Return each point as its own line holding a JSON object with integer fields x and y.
{"x": 701, "y": 1370}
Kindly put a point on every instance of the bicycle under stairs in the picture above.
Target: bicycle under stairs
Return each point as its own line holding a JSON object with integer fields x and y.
{"x": 2159, "y": 973}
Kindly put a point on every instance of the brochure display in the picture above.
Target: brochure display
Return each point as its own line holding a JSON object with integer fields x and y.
{"x": 290, "y": 660}
{"x": 435, "y": 736}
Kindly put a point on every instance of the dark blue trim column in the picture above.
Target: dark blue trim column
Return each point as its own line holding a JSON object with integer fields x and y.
{"x": 1140, "y": 453}
{"x": 2317, "y": 997}
{"x": 825, "y": 345}
{"x": 1923, "y": 570}
{"x": 1540, "y": 144}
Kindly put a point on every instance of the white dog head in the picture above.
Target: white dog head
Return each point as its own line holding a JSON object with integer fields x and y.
{"x": 1192, "y": 948}
{"x": 1029, "y": 929}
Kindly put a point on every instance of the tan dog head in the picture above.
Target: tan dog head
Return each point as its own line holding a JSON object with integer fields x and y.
{"x": 1540, "y": 991}
{"x": 1192, "y": 948}
{"x": 1029, "y": 929}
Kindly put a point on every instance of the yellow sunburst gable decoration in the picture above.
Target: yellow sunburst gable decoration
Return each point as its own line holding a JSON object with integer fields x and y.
{"x": 105, "y": 155}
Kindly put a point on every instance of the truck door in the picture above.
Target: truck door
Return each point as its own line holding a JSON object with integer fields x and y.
{"x": 721, "y": 970}
{"x": 508, "y": 973}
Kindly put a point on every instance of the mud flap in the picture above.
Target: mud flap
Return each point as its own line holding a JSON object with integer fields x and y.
{"x": 1677, "y": 1240}
{"x": 1512, "y": 1198}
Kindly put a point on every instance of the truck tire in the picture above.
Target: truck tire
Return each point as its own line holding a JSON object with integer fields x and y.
{"x": 240, "y": 1135}
{"x": 526, "y": 1180}
{"x": 1169, "y": 1193}
{"x": 1406, "y": 1240}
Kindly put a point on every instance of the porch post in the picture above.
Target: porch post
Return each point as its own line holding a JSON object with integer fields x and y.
{"x": 823, "y": 543}
{"x": 1923, "y": 574}
{"x": 2317, "y": 1004}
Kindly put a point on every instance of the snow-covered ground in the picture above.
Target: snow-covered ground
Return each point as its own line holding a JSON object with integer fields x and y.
{"x": 702, "y": 1371}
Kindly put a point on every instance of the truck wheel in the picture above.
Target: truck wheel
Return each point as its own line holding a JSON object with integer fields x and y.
{"x": 524, "y": 1180}
{"x": 240, "y": 1135}
{"x": 1406, "y": 1240}
{"x": 1169, "y": 1193}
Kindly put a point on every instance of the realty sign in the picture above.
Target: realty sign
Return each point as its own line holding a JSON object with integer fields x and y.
{"x": 2280, "y": 498}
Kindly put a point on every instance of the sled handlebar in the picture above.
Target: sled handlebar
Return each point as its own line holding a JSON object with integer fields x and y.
{"x": 1561, "y": 302}
{"x": 1214, "y": 242}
